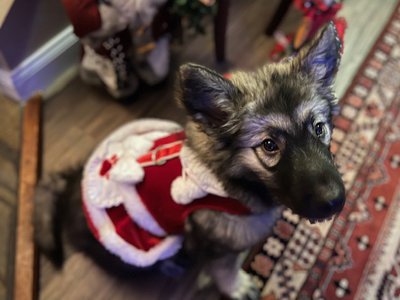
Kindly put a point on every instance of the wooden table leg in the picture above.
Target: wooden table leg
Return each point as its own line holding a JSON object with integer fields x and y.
{"x": 220, "y": 24}
{"x": 25, "y": 257}
{"x": 278, "y": 16}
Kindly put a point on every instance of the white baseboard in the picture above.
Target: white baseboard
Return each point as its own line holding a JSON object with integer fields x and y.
{"x": 43, "y": 68}
{"x": 7, "y": 85}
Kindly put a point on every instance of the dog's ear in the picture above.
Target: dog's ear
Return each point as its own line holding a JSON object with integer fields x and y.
{"x": 206, "y": 95}
{"x": 321, "y": 57}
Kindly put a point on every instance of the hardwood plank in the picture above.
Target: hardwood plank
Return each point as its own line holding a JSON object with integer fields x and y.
{"x": 8, "y": 177}
{"x": 6, "y": 217}
{"x": 9, "y": 124}
{"x": 9, "y": 155}
{"x": 24, "y": 284}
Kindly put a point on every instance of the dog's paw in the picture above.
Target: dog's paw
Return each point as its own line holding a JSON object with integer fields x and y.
{"x": 245, "y": 288}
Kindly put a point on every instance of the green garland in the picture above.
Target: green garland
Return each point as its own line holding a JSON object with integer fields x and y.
{"x": 193, "y": 12}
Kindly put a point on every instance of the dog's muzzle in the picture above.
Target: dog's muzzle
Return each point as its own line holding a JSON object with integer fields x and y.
{"x": 323, "y": 195}
{"x": 317, "y": 188}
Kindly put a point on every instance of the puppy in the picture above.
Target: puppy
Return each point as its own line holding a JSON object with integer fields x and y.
{"x": 253, "y": 144}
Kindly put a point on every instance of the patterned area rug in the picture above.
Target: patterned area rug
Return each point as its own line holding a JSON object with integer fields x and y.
{"x": 356, "y": 256}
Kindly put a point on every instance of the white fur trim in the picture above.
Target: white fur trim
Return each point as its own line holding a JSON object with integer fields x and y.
{"x": 111, "y": 21}
{"x": 106, "y": 193}
{"x": 113, "y": 148}
{"x": 184, "y": 190}
{"x": 127, "y": 170}
{"x": 139, "y": 213}
{"x": 197, "y": 180}
{"x": 100, "y": 193}
{"x": 135, "y": 145}
{"x": 138, "y": 11}
{"x": 128, "y": 253}
{"x": 101, "y": 65}
{"x": 155, "y": 135}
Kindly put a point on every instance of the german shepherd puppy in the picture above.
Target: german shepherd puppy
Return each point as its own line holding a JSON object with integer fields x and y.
{"x": 265, "y": 135}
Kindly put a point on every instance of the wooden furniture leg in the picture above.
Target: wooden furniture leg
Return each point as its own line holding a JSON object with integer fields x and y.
{"x": 25, "y": 256}
{"x": 220, "y": 24}
{"x": 278, "y": 16}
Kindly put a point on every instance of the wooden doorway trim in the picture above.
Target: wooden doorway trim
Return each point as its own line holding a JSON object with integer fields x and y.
{"x": 25, "y": 253}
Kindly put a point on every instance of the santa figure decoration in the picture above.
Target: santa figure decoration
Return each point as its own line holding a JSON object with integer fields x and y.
{"x": 118, "y": 43}
{"x": 317, "y": 13}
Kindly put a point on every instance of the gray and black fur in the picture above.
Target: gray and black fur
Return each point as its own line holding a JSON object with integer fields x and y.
{"x": 266, "y": 136}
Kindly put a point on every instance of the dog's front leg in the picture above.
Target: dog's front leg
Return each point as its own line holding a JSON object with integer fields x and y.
{"x": 231, "y": 280}
{"x": 214, "y": 233}
{"x": 219, "y": 237}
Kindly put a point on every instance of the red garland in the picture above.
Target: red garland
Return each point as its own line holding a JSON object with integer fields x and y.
{"x": 315, "y": 6}
{"x": 341, "y": 26}
{"x": 318, "y": 13}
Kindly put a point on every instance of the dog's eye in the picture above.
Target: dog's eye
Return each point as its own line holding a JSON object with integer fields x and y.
{"x": 319, "y": 129}
{"x": 270, "y": 145}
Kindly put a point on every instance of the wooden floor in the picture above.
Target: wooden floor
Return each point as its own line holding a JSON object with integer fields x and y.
{"x": 79, "y": 116}
{"x": 9, "y": 155}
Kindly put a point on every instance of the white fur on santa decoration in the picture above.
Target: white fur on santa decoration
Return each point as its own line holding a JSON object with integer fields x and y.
{"x": 106, "y": 193}
{"x": 184, "y": 190}
{"x": 100, "y": 65}
{"x": 155, "y": 135}
{"x": 127, "y": 252}
{"x": 103, "y": 193}
{"x": 136, "y": 145}
{"x": 126, "y": 170}
{"x": 140, "y": 215}
{"x": 196, "y": 181}
{"x": 117, "y": 187}
{"x": 99, "y": 191}
{"x": 137, "y": 11}
{"x": 113, "y": 148}
{"x": 111, "y": 21}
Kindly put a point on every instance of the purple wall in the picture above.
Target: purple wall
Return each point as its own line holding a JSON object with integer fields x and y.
{"x": 29, "y": 25}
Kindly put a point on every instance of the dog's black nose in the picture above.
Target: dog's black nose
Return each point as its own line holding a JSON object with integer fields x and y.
{"x": 332, "y": 198}
{"x": 327, "y": 198}
{"x": 336, "y": 205}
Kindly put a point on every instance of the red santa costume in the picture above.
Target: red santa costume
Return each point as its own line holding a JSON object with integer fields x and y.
{"x": 140, "y": 185}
